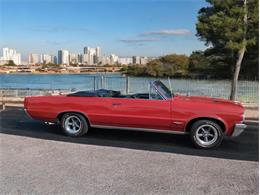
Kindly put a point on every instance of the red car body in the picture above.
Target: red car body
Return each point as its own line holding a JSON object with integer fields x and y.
{"x": 174, "y": 114}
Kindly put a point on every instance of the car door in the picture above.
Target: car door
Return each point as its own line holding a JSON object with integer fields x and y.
{"x": 154, "y": 112}
{"x": 141, "y": 113}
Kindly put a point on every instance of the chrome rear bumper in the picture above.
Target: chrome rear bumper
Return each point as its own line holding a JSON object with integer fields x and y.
{"x": 238, "y": 129}
{"x": 25, "y": 110}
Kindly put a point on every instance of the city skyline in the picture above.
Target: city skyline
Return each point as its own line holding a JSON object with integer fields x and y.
{"x": 126, "y": 28}
{"x": 89, "y": 56}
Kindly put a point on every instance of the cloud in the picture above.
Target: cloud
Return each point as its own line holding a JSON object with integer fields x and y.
{"x": 138, "y": 41}
{"x": 169, "y": 32}
{"x": 57, "y": 29}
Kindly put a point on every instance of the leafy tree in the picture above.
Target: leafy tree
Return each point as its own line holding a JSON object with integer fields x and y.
{"x": 178, "y": 62}
{"x": 232, "y": 25}
{"x": 250, "y": 64}
{"x": 215, "y": 63}
{"x": 154, "y": 68}
{"x": 135, "y": 70}
{"x": 219, "y": 62}
{"x": 198, "y": 62}
{"x": 169, "y": 65}
{"x": 51, "y": 65}
{"x": 10, "y": 63}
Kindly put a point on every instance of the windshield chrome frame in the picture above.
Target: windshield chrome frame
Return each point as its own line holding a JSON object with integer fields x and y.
{"x": 157, "y": 90}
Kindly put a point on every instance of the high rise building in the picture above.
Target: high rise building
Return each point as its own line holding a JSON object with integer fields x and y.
{"x": 93, "y": 55}
{"x": 80, "y": 58}
{"x": 55, "y": 60}
{"x": 136, "y": 60}
{"x": 59, "y": 59}
{"x": 113, "y": 59}
{"x": 34, "y": 58}
{"x": 105, "y": 60}
{"x": 47, "y": 59}
{"x": 98, "y": 55}
{"x": 73, "y": 58}
{"x": 11, "y": 54}
{"x": 86, "y": 50}
{"x": 63, "y": 57}
{"x": 143, "y": 60}
{"x": 125, "y": 60}
{"x": 85, "y": 58}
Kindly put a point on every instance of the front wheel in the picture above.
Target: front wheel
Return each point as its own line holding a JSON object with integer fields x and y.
{"x": 74, "y": 124}
{"x": 206, "y": 134}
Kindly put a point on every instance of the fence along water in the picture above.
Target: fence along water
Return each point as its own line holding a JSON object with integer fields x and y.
{"x": 247, "y": 90}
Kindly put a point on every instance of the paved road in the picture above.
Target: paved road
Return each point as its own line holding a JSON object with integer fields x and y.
{"x": 36, "y": 158}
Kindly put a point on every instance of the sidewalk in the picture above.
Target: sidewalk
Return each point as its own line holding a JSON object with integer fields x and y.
{"x": 252, "y": 113}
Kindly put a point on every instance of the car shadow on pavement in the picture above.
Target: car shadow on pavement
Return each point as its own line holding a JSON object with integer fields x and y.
{"x": 245, "y": 147}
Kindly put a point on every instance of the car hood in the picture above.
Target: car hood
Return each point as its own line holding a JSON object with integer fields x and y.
{"x": 218, "y": 102}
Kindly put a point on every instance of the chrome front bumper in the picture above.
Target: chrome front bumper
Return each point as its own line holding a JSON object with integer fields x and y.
{"x": 238, "y": 129}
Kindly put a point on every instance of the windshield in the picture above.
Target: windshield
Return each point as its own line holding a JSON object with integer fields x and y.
{"x": 162, "y": 89}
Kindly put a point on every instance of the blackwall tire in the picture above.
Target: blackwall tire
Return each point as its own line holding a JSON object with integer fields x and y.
{"x": 74, "y": 124}
{"x": 206, "y": 134}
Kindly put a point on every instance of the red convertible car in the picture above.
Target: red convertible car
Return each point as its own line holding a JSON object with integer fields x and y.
{"x": 206, "y": 119}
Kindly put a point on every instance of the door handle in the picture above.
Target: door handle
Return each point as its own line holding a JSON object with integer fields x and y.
{"x": 116, "y": 104}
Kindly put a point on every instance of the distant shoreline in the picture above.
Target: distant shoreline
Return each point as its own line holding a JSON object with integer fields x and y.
{"x": 62, "y": 73}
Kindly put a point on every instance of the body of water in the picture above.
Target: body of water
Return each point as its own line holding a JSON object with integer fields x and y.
{"x": 247, "y": 90}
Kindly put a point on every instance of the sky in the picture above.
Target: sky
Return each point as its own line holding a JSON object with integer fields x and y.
{"x": 125, "y": 28}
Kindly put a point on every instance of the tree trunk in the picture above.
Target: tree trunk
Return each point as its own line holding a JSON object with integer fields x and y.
{"x": 241, "y": 53}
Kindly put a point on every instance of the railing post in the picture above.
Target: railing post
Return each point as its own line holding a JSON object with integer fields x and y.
{"x": 94, "y": 81}
{"x": 102, "y": 78}
{"x": 127, "y": 85}
{"x": 3, "y": 99}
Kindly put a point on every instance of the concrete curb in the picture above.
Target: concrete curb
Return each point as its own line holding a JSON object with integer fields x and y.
{"x": 252, "y": 122}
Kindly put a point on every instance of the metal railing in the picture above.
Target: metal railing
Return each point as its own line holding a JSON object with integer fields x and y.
{"x": 247, "y": 90}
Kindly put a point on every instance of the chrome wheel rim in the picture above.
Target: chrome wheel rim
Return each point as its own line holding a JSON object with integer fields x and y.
{"x": 72, "y": 124}
{"x": 206, "y": 134}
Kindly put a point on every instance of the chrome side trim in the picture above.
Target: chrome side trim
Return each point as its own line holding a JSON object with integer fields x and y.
{"x": 138, "y": 129}
{"x": 238, "y": 129}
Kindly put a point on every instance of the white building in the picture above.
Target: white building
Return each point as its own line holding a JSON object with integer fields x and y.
{"x": 80, "y": 58}
{"x": 125, "y": 60}
{"x": 98, "y": 55}
{"x": 88, "y": 58}
{"x": 92, "y": 56}
{"x": 86, "y": 50}
{"x": 105, "y": 60}
{"x": 11, "y": 54}
{"x": 34, "y": 58}
{"x": 63, "y": 57}
{"x": 136, "y": 60}
{"x": 85, "y": 59}
{"x": 73, "y": 58}
{"x": 143, "y": 60}
{"x": 113, "y": 59}
{"x": 47, "y": 59}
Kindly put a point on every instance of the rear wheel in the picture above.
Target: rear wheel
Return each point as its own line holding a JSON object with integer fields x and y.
{"x": 74, "y": 124}
{"x": 206, "y": 134}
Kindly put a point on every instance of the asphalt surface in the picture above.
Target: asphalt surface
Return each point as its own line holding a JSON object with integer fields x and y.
{"x": 38, "y": 158}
